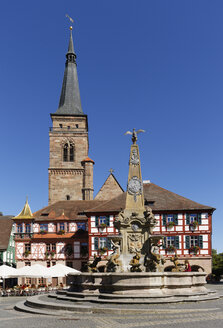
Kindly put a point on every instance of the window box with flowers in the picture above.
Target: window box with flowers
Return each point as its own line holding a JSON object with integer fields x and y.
{"x": 170, "y": 224}
{"x": 102, "y": 226}
{"x": 26, "y": 253}
{"x": 194, "y": 249}
{"x": 103, "y": 250}
{"x": 171, "y": 249}
{"x": 194, "y": 225}
{"x": 47, "y": 254}
{"x": 43, "y": 232}
{"x": 52, "y": 253}
{"x": 61, "y": 232}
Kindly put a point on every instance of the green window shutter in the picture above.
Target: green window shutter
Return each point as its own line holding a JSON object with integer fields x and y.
{"x": 187, "y": 239}
{"x": 108, "y": 243}
{"x": 96, "y": 243}
{"x": 200, "y": 241}
{"x": 187, "y": 218}
{"x": 177, "y": 242}
{"x": 175, "y": 219}
{"x": 108, "y": 221}
{"x": 199, "y": 218}
{"x": 164, "y": 219}
{"x": 96, "y": 221}
{"x": 164, "y": 243}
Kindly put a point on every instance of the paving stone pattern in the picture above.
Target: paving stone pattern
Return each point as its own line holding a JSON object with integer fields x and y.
{"x": 200, "y": 315}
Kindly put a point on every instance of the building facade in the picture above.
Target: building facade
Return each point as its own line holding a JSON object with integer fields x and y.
{"x": 7, "y": 243}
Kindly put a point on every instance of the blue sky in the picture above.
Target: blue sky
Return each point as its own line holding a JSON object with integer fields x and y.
{"x": 154, "y": 65}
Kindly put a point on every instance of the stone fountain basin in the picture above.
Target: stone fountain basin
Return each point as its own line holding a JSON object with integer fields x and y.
{"x": 139, "y": 284}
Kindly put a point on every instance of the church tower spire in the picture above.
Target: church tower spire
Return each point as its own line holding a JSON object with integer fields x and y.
{"x": 70, "y": 169}
{"x": 70, "y": 101}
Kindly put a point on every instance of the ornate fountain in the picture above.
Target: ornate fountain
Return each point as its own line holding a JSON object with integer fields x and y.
{"x": 135, "y": 268}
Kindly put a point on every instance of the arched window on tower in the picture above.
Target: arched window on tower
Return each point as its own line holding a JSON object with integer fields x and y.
{"x": 71, "y": 153}
{"x": 68, "y": 152}
{"x": 65, "y": 152}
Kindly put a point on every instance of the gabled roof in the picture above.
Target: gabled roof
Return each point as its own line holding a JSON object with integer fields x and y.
{"x": 73, "y": 209}
{"x": 110, "y": 189}
{"x": 159, "y": 199}
{"x": 5, "y": 231}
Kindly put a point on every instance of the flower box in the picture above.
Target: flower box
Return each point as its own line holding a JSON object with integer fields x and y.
{"x": 61, "y": 232}
{"x": 26, "y": 253}
{"x": 170, "y": 224}
{"x": 194, "y": 249}
{"x": 171, "y": 249}
{"x": 43, "y": 232}
{"x": 102, "y": 226}
{"x": 194, "y": 225}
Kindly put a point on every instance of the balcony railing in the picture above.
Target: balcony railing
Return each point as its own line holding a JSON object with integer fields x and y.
{"x": 23, "y": 235}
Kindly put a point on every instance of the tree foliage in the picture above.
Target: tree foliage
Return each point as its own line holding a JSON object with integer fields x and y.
{"x": 217, "y": 263}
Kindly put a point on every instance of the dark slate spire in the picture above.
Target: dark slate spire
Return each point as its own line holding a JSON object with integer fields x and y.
{"x": 70, "y": 101}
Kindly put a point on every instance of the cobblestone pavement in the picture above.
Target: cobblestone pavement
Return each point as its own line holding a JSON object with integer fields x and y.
{"x": 206, "y": 314}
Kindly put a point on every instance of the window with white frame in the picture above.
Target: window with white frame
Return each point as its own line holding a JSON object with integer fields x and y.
{"x": 102, "y": 220}
{"x": 102, "y": 242}
{"x": 193, "y": 241}
{"x": 43, "y": 227}
{"x": 171, "y": 241}
{"x": 81, "y": 226}
{"x": 28, "y": 228}
{"x": 193, "y": 217}
{"x": 19, "y": 228}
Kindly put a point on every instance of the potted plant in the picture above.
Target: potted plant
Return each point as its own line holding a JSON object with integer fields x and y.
{"x": 170, "y": 224}
{"x": 102, "y": 226}
{"x": 52, "y": 253}
{"x": 171, "y": 248}
{"x": 47, "y": 254}
{"x": 43, "y": 232}
{"x": 26, "y": 253}
{"x": 61, "y": 232}
{"x": 194, "y": 225}
{"x": 103, "y": 250}
{"x": 194, "y": 249}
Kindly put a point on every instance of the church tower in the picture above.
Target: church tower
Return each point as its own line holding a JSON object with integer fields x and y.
{"x": 70, "y": 168}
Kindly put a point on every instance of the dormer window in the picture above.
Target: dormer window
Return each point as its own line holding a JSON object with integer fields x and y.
{"x": 61, "y": 125}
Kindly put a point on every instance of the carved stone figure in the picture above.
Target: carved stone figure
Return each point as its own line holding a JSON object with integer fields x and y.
{"x": 153, "y": 261}
{"x": 114, "y": 264}
{"x": 92, "y": 267}
{"x": 134, "y": 242}
{"x": 149, "y": 216}
{"x": 135, "y": 265}
{"x": 134, "y": 158}
{"x": 178, "y": 267}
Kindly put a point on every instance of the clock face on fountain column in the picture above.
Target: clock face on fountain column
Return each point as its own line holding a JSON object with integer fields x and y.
{"x": 135, "y": 186}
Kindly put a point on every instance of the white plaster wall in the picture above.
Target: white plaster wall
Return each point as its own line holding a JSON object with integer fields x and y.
{"x": 204, "y": 221}
{"x": 203, "y": 251}
{"x": 205, "y": 237}
{"x": 204, "y": 215}
{"x": 203, "y": 227}
{"x": 179, "y": 228}
{"x": 76, "y": 249}
{"x": 35, "y": 227}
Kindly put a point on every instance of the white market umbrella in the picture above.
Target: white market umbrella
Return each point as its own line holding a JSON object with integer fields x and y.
{"x": 60, "y": 270}
{"x": 6, "y": 272}
{"x": 34, "y": 271}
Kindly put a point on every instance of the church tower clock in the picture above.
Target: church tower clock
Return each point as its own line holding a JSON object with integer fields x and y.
{"x": 70, "y": 168}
